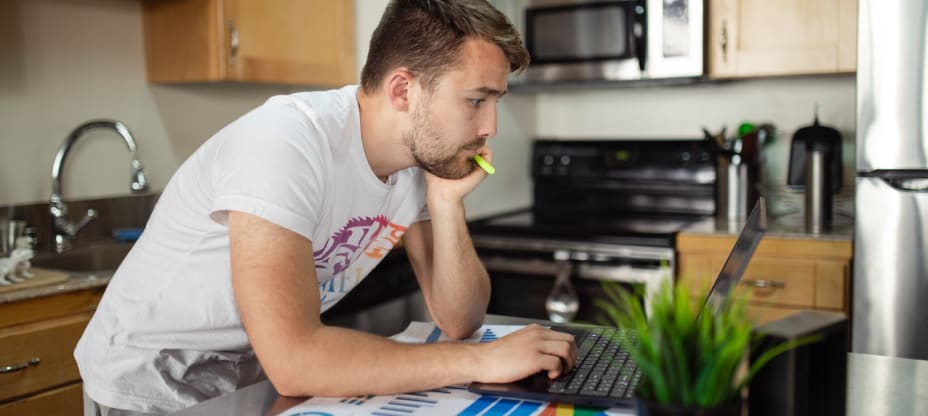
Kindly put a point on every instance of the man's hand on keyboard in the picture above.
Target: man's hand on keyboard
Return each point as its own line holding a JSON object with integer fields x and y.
{"x": 525, "y": 352}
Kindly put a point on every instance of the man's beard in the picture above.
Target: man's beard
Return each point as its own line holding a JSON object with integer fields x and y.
{"x": 432, "y": 152}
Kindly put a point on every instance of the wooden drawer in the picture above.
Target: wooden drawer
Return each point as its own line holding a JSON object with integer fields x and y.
{"x": 45, "y": 307}
{"x": 67, "y": 400}
{"x": 772, "y": 281}
{"x": 776, "y": 281}
{"x": 52, "y": 342}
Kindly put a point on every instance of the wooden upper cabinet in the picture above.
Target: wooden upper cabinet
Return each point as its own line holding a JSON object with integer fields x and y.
{"x": 748, "y": 38}
{"x": 302, "y": 42}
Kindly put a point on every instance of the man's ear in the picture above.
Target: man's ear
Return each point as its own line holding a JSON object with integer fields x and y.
{"x": 399, "y": 88}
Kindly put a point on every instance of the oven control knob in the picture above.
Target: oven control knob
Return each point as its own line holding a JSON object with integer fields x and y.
{"x": 561, "y": 255}
{"x": 565, "y": 160}
{"x": 548, "y": 160}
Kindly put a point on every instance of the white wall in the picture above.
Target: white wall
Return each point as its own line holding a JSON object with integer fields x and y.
{"x": 682, "y": 111}
{"x": 63, "y": 62}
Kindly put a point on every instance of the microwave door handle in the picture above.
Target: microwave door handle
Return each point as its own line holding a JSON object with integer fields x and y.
{"x": 640, "y": 30}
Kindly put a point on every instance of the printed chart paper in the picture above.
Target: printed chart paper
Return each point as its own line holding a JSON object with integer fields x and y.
{"x": 447, "y": 401}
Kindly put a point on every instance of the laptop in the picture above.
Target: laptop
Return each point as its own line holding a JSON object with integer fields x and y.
{"x": 604, "y": 375}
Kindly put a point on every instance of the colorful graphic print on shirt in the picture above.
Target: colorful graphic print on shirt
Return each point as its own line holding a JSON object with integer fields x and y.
{"x": 376, "y": 236}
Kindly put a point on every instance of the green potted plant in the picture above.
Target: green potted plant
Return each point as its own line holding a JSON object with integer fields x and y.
{"x": 690, "y": 362}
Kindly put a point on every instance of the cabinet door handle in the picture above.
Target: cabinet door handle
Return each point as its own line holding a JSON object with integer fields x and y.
{"x": 19, "y": 367}
{"x": 764, "y": 284}
{"x": 233, "y": 42}
{"x": 724, "y": 41}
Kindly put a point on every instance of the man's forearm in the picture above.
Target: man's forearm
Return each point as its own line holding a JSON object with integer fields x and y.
{"x": 460, "y": 285}
{"x": 375, "y": 365}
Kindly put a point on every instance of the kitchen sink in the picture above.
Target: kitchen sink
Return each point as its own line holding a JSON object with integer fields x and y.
{"x": 89, "y": 258}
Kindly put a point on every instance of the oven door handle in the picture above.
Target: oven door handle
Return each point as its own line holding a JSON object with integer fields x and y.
{"x": 533, "y": 267}
{"x": 583, "y": 270}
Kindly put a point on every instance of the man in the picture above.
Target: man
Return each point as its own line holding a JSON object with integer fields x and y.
{"x": 283, "y": 211}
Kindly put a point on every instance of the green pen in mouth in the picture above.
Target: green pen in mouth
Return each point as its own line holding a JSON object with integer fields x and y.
{"x": 486, "y": 166}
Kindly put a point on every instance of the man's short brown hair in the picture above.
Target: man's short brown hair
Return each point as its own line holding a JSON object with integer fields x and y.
{"x": 425, "y": 36}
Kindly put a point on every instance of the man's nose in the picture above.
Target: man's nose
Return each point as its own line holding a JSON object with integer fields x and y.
{"x": 487, "y": 126}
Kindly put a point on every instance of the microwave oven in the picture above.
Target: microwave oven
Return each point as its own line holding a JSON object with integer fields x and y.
{"x": 611, "y": 40}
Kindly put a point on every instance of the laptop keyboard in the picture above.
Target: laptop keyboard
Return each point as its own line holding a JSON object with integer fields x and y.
{"x": 603, "y": 367}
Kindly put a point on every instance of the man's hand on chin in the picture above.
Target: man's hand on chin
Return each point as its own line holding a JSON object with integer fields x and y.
{"x": 441, "y": 190}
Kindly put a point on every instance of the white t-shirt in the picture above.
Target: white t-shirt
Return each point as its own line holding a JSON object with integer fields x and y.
{"x": 167, "y": 334}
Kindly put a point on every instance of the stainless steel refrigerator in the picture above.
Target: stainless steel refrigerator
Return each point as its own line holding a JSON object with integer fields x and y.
{"x": 890, "y": 300}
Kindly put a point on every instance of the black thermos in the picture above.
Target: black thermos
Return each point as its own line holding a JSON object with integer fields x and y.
{"x": 815, "y": 168}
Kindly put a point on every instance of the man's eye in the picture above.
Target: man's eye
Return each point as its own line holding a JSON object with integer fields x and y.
{"x": 476, "y": 101}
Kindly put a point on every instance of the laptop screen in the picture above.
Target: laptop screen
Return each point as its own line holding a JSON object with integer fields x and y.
{"x": 740, "y": 255}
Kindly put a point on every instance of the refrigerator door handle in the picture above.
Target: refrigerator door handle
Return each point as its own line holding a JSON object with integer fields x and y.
{"x": 905, "y": 180}
{"x": 908, "y": 185}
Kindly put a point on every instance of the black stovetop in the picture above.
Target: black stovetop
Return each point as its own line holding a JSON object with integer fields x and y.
{"x": 656, "y": 230}
{"x": 618, "y": 191}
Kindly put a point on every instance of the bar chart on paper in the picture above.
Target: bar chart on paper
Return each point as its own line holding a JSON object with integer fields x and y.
{"x": 446, "y": 401}
{"x": 497, "y": 406}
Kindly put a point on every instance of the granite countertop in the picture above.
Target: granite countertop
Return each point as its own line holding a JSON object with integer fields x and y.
{"x": 787, "y": 226}
{"x": 396, "y": 278}
{"x": 76, "y": 281}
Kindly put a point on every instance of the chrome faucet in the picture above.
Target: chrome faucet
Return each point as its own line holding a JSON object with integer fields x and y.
{"x": 63, "y": 228}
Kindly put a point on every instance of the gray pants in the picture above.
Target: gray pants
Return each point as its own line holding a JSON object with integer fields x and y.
{"x": 92, "y": 408}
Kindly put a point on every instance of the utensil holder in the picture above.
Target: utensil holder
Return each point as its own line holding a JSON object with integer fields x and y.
{"x": 732, "y": 193}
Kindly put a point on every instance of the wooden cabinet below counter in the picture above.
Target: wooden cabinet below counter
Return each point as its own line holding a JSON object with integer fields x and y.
{"x": 38, "y": 374}
{"x": 784, "y": 276}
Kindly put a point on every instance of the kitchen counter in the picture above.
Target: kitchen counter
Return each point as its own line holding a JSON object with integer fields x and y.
{"x": 788, "y": 226}
{"x": 877, "y": 385}
{"x": 77, "y": 281}
{"x": 394, "y": 278}
{"x": 88, "y": 266}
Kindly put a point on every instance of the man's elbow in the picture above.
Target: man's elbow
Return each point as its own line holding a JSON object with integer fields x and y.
{"x": 457, "y": 335}
{"x": 459, "y": 330}
{"x": 290, "y": 373}
{"x": 286, "y": 384}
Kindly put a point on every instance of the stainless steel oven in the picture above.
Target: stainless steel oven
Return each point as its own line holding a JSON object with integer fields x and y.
{"x": 602, "y": 211}
{"x": 522, "y": 275}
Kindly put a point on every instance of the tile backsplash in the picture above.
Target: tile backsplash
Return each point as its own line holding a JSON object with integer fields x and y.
{"x": 112, "y": 214}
